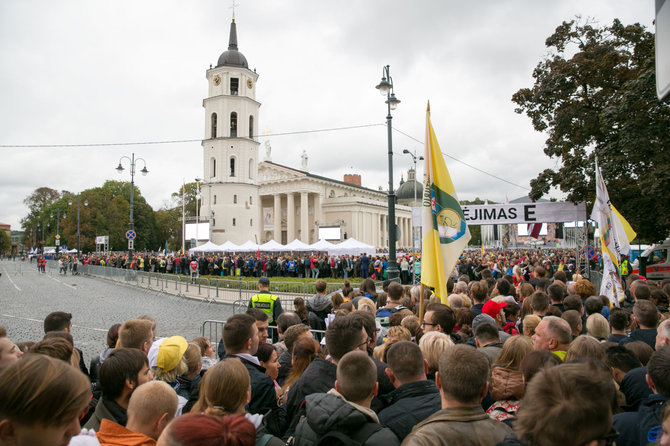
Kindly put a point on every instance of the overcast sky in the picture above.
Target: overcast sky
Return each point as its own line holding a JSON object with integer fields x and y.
{"x": 88, "y": 72}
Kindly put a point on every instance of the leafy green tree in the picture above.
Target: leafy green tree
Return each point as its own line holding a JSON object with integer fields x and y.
{"x": 595, "y": 96}
{"x": 5, "y": 242}
{"x": 189, "y": 198}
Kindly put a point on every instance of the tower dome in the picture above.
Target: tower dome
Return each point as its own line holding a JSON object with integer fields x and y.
{"x": 407, "y": 190}
{"x": 232, "y": 57}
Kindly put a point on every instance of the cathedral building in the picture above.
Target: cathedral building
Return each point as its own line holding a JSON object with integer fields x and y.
{"x": 247, "y": 199}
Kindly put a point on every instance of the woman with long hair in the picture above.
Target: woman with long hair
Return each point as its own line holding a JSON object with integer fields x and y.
{"x": 507, "y": 386}
{"x": 304, "y": 352}
{"x": 301, "y": 309}
{"x": 226, "y": 390}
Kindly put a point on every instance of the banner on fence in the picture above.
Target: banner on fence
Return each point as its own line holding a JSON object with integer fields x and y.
{"x": 504, "y": 214}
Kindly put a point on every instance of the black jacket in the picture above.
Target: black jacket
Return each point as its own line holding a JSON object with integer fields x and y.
{"x": 327, "y": 412}
{"x": 319, "y": 377}
{"x": 408, "y": 405}
{"x": 263, "y": 395}
{"x": 646, "y": 335}
{"x": 633, "y": 427}
{"x": 635, "y": 388}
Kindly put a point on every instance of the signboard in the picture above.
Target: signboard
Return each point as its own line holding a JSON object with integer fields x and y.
{"x": 101, "y": 239}
{"x": 330, "y": 233}
{"x": 131, "y": 244}
{"x": 130, "y": 234}
{"x": 198, "y": 231}
{"x": 588, "y": 252}
{"x": 505, "y": 214}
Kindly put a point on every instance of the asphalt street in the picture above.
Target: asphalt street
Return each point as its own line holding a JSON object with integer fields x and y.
{"x": 26, "y": 297}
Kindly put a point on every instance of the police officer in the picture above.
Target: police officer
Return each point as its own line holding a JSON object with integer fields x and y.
{"x": 625, "y": 268}
{"x": 269, "y": 303}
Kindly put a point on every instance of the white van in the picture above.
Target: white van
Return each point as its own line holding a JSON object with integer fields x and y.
{"x": 657, "y": 262}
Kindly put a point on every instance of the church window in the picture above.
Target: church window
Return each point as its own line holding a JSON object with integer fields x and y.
{"x": 233, "y": 125}
{"x": 234, "y": 86}
{"x": 214, "y": 125}
{"x": 234, "y": 222}
{"x": 251, "y": 169}
{"x": 251, "y": 127}
{"x": 250, "y": 202}
{"x": 251, "y": 222}
{"x": 214, "y": 199}
{"x": 232, "y": 166}
{"x": 331, "y": 194}
{"x": 213, "y": 222}
{"x": 234, "y": 199}
{"x": 213, "y": 168}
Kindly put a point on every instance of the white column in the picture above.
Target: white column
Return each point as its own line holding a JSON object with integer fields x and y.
{"x": 361, "y": 227}
{"x": 304, "y": 222}
{"x": 318, "y": 215}
{"x": 290, "y": 217}
{"x": 277, "y": 231}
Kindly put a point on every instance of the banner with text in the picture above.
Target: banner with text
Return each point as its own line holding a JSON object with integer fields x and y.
{"x": 504, "y": 214}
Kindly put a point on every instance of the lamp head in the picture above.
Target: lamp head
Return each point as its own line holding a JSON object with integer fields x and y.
{"x": 120, "y": 168}
{"x": 405, "y": 151}
{"x": 384, "y": 86}
{"x": 85, "y": 202}
{"x": 69, "y": 202}
{"x": 144, "y": 171}
{"x": 393, "y": 101}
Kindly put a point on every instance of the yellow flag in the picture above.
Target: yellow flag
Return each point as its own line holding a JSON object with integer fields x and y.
{"x": 445, "y": 233}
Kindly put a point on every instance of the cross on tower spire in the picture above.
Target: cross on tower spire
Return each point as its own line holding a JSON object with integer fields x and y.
{"x": 234, "y": 5}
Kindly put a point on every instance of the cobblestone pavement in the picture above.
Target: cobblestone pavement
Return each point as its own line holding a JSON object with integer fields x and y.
{"x": 26, "y": 297}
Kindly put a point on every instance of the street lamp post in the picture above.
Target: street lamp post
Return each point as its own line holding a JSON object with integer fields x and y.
{"x": 78, "y": 208}
{"x": 414, "y": 159}
{"x": 385, "y": 87}
{"x": 144, "y": 171}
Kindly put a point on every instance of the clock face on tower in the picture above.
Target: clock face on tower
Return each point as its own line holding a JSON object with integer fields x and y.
{"x": 250, "y": 83}
{"x": 217, "y": 80}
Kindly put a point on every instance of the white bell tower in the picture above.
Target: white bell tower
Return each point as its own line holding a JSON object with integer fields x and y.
{"x": 230, "y": 149}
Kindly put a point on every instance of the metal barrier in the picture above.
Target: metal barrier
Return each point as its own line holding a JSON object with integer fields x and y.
{"x": 213, "y": 330}
{"x": 226, "y": 290}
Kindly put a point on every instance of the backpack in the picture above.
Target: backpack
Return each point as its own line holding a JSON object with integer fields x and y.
{"x": 357, "y": 439}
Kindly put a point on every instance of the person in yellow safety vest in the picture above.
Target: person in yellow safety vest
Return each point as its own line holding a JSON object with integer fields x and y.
{"x": 264, "y": 300}
{"x": 625, "y": 267}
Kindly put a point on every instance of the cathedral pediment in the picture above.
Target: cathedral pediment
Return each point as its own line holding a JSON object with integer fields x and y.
{"x": 268, "y": 173}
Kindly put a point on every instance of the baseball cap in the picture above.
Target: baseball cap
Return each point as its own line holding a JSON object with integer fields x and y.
{"x": 492, "y": 308}
{"x": 170, "y": 352}
{"x": 264, "y": 281}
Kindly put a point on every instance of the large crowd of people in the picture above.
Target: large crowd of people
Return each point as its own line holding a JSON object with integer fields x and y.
{"x": 522, "y": 352}
{"x": 519, "y": 263}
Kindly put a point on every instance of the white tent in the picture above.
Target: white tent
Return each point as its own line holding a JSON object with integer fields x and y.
{"x": 229, "y": 247}
{"x": 248, "y": 246}
{"x": 321, "y": 245}
{"x": 297, "y": 245}
{"x": 272, "y": 246}
{"x": 207, "y": 247}
{"x": 351, "y": 247}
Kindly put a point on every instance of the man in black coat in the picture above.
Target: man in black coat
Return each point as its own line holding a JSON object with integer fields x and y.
{"x": 344, "y": 334}
{"x": 415, "y": 398}
{"x": 634, "y": 427}
{"x": 240, "y": 338}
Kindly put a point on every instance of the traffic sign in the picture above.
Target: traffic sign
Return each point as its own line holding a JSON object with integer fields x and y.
{"x": 57, "y": 237}
{"x": 589, "y": 252}
{"x": 130, "y": 234}
{"x": 131, "y": 244}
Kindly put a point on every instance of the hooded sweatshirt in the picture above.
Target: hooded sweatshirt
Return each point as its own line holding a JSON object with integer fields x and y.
{"x": 111, "y": 433}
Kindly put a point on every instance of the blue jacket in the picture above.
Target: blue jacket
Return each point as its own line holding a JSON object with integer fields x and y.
{"x": 633, "y": 427}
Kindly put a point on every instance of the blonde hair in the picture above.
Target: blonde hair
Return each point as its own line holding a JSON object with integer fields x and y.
{"x": 597, "y": 326}
{"x": 169, "y": 376}
{"x": 192, "y": 357}
{"x": 366, "y": 304}
{"x": 432, "y": 345}
{"x": 530, "y": 323}
{"x": 224, "y": 388}
{"x": 514, "y": 350}
{"x": 585, "y": 347}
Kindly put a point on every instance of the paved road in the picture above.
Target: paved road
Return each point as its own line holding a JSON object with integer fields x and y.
{"x": 26, "y": 297}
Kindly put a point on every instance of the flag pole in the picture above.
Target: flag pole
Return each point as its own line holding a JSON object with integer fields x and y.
{"x": 421, "y": 303}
